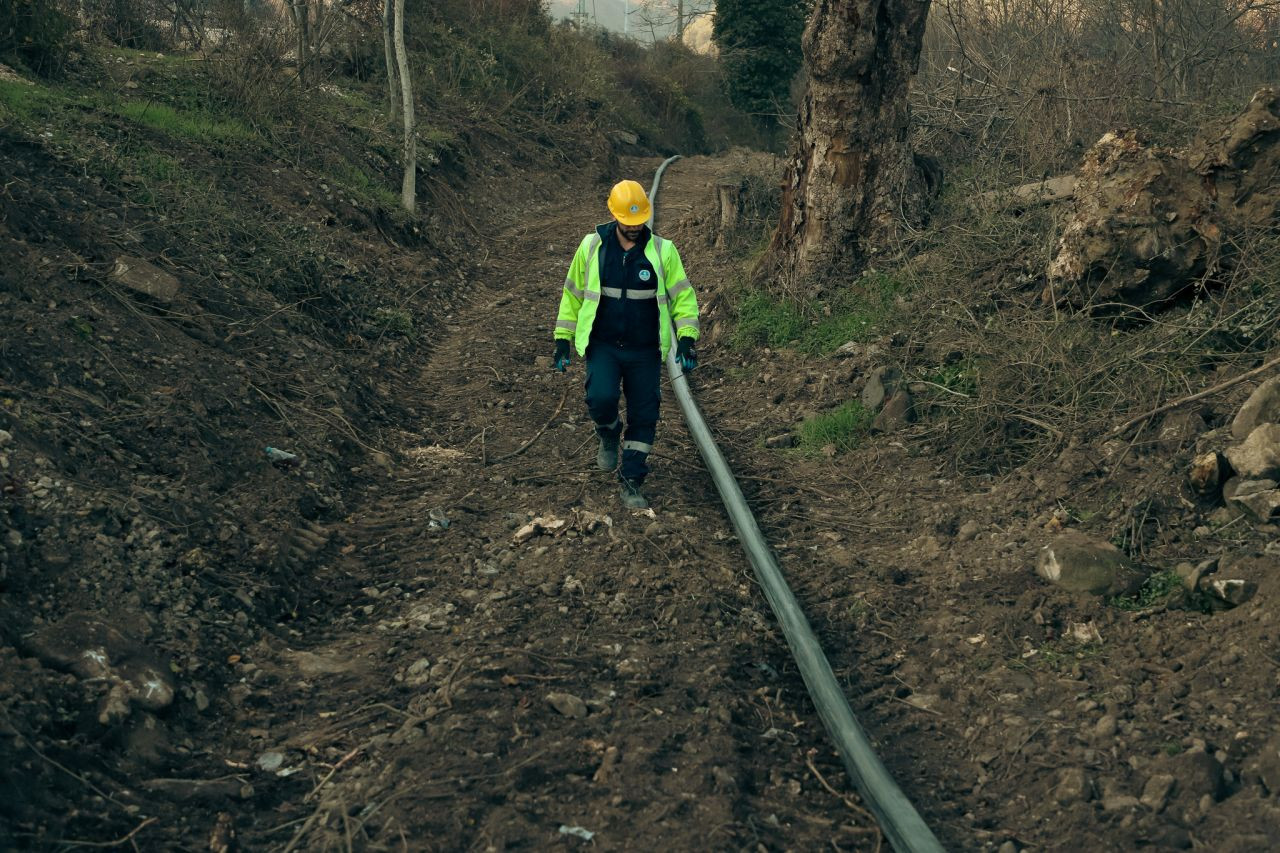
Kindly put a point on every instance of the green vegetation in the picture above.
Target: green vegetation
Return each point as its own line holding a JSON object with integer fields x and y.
{"x": 759, "y": 43}
{"x": 844, "y": 427}
{"x": 1157, "y": 589}
{"x": 23, "y": 102}
{"x": 194, "y": 126}
{"x": 360, "y": 183}
{"x": 858, "y": 314}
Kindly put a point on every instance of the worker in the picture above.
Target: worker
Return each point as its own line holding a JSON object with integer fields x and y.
{"x": 625, "y": 289}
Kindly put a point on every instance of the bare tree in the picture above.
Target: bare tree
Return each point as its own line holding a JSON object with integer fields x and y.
{"x": 393, "y": 82}
{"x": 673, "y": 15}
{"x": 302, "y": 19}
{"x": 408, "y": 187}
{"x": 853, "y": 179}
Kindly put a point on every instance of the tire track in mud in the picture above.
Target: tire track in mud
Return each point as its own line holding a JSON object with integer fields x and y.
{"x": 610, "y": 671}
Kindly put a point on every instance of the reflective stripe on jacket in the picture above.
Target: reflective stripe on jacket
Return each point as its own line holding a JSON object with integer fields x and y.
{"x": 581, "y": 296}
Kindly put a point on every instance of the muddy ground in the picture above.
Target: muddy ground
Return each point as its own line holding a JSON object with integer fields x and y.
{"x": 442, "y": 631}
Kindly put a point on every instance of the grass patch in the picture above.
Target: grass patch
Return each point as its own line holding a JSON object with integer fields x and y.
{"x": 1155, "y": 590}
{"x": 185, "y": 124}
{"x": 362, "y": 185}
{"x": 818, "y": 328}
{"x": 25, "y": 102}
{"x": 844, "y": 427}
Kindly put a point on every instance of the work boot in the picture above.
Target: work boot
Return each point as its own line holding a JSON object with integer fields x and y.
{"x": 631, "y": 497}
{"x": 607, "y": 455}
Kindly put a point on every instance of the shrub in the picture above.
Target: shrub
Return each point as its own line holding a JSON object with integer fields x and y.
{"x": 33, "y": 34}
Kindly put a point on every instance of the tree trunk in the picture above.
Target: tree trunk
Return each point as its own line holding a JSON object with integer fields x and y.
{"x": 393, "y": 80}
{"x": 852, "y": 181}
{"x": 301, "y": 17}
{"x": 408, "y": 188}
{"x": 680, "y": 21}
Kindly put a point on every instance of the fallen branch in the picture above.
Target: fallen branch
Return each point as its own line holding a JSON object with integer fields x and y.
{"x": 1208, "y": 392}
{"x": 522, "y": 448}
{"x": 1035, "y": 193}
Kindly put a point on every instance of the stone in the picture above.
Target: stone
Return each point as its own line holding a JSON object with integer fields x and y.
{"x": 896, "y": 414}
{"x": 1208, "y": 472}
{"x": 784, "y": 440}
{"x": 1258, "y": 456}
{"x": 1260, "y": 498}
{"x": 1197, "y": 774}
{"x": 1262, "y": 407}
{"x": 880, "y": 385}
{"x": 143, "y": 277}
{"x": 1155, "y": 794}
{"x": 968, "y": 531}
{"x": 1106, "y": 726}
{"x": 1192, "y": 575}
{"x": 1267, "y": 765}
{"x": 1169, "y": 837}
{"x": 1234, "y": 591}
{"x": 1119, "y": 802}
{"x": 567, "y": 704}
{"x": 5, "y": 437}
{"x": 542, "y": 362}
{"x": 271, "y": 761}
{"x": 1073, "y": 786}
{"x": 202, "y": 701}
{"x": 853, "y": 349}
{"x": 1079, "y": 563}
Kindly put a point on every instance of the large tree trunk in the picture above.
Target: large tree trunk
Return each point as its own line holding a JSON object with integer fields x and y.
{"x": 853, "y": 181}
{"x": 408, "y": 188}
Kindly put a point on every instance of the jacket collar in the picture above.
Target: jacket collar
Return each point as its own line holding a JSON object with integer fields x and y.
{"x": 607, "y": 229}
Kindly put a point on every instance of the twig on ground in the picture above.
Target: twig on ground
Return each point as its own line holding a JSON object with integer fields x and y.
{"x": 350, "y": 755}
{"x": 448, "y": 682}
{"x": 1208, "y": 392}
{"x": 522, "y": 448}
{"x": 863, "y": 813}
{"x": 550, "y": 474}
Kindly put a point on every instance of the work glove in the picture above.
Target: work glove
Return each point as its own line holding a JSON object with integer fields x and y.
{"x": 686, "y": 355}
{"x": 561, "y": 360}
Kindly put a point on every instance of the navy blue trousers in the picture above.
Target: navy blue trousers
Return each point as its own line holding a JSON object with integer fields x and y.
{"x": 611, "y": 372}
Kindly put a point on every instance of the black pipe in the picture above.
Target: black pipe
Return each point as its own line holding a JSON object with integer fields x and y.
{"x": 899, "y": 820}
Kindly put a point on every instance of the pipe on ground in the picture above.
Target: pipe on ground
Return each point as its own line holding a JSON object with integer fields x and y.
{"x": 898, "y": 819}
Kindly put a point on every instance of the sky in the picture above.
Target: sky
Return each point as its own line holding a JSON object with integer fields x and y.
{"x": 610, "y": 15}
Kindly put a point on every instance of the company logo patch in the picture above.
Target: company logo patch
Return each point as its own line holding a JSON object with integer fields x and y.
{"x": 635, "y": 208}
{"x": 644, "y": 275}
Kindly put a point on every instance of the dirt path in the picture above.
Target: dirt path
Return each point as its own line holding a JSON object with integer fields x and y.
{"x": 484, "y": 683}
{"x": 617, "y": 673}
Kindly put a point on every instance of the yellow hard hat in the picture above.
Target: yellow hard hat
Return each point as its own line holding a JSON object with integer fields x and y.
{"x": 628, "y": 203}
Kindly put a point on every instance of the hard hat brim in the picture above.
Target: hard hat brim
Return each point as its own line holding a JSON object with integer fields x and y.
{"x": 632, "y": 218}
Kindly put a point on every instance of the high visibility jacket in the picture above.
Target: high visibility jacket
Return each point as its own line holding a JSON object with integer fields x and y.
{"x": 582, "y": 292}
